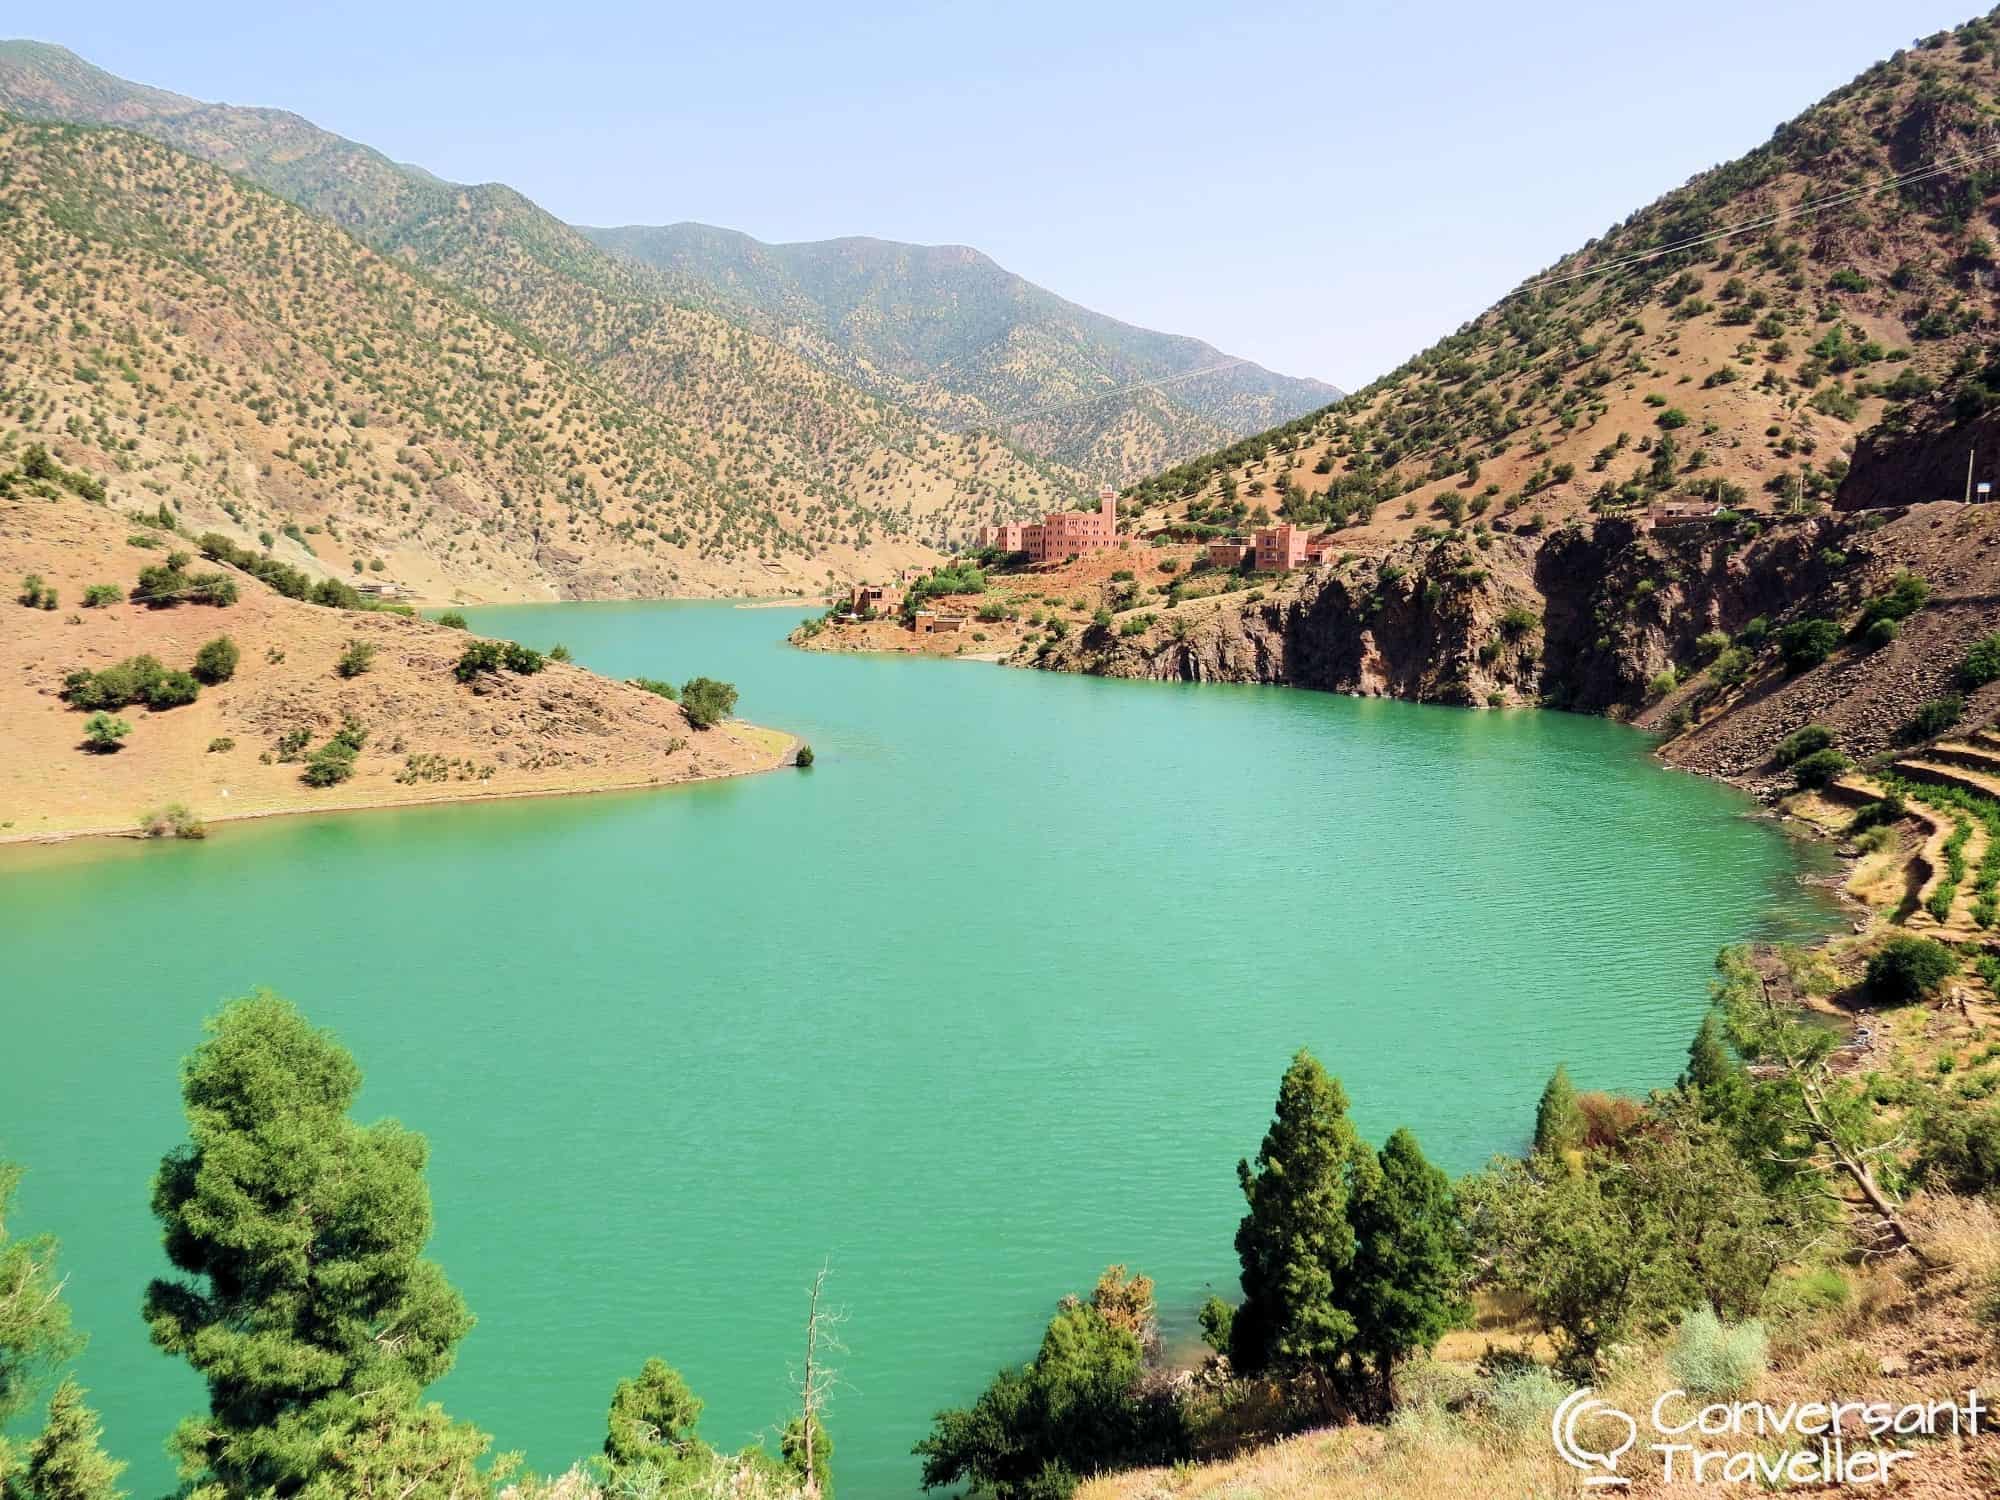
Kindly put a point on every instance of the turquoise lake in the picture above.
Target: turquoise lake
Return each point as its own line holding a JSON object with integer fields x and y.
{"x": 995, "y": 994}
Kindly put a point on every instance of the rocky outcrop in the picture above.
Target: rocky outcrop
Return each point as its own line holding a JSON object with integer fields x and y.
{"x": 1592, "y": 618}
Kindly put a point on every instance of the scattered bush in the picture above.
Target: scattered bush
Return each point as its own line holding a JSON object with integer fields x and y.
{"x": 1712, "y": 1359}
{"x": 707, "y": 702}
{"x": 653, "y": 685}
{"x": 333, "y": 762}
{"x": 451, "y": 619}
{"x": 100, "y": 594}
{"x": 1800, "y": 743}
{"x": 168, "y": 584}
{"x": 1807, "y": 643}
{"x": 804, "y": 759}
{"x": 1907, "y": 969}
{"x": 221, "y": 743}
{"x": 1820, "y": 768}
{"x": 1904, "y": 596}
{"x": 1981, "y": 664}
{"x": 356, "y": 659}
{"x": 1935, "y": 717}
{"x": 1880, "y": 634}
{"x": 173, "y": 821}
{"x": 492, "y": 656}
{"x": 216, "y": 661}
{"x": 102, "y": 733}
{"x": 35, "y": 594}
{"x": 559, "y": 652}
{"x": 137, "y": 679}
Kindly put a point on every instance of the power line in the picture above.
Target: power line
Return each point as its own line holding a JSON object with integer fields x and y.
{"x": 1798, "y": 210}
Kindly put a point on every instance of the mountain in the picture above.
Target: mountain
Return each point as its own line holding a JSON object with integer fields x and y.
{"x": 944, "y": 330}
{"x": 1705, "y": 473}
{"x": 763, "y": 468}
{"x": 1731, "y": 341}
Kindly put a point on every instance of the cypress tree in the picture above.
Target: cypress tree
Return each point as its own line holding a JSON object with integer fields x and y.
{"x": 305, "y": 1295}
{"x": 652, "y": 1418}
{"x": 65, "y": 1462}
{"x": 1407, "y": 1285}
{"x": 1714, "y": 1077}
{"x": 1559, "y": 1125}
{"x": 1295, "y": 1241}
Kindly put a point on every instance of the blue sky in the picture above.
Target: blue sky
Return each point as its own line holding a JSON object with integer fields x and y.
{"x": 1324, "y": 188}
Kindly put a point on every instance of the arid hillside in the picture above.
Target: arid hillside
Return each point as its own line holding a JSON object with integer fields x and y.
{"x": 247, "y": 745}
{"x": 194, "y": 341}
{"x": 1726, "y": 344}
{"x": 945, "y": 331}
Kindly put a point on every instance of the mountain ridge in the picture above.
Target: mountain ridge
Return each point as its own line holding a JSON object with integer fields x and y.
{"x": 452, "y": 228}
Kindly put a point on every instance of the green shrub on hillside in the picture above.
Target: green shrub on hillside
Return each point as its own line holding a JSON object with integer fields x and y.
{"x": 707, "y": 702}
{"x": 1820, "y": 768}
{"x": 1935, "y": 717}
{"x": 1713, "y": 1360}
{"x": 216, "y": 661}
{"x": 1906, "y": 594}
{"x": 451, "y": 619}
{"x": 1800, "y": 743}
{"x": 137, "y": 679}
{"x": 35, "y": 593}
{"x": 655, "y": 686}
{"x": 359, "y": 657}
{"x": 1907, "y": 969}
{"x": 1982, "y": 663}
{"x": 100, "y": 594}
{"x": 1807, "y": 643}
{"x": 102, "y": 733}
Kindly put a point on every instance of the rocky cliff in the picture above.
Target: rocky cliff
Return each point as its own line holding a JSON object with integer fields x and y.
{"x": 1674, "y": 629}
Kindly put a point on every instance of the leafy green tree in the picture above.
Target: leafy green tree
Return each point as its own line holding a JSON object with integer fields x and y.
{"x": 652, "y": 1419}
{"x": 707, "y": 702}
{"x": 216, "y": 661}
{"x": 1070, "y": 1411}
{"x": 66, "y": 1462}
{"x": 299, "y": 1235}
{"x": 1907, "y": 969}
{"x": 1406, "y": 1288}
{"x": 1295, "y": 1241}
{"x": 1807, "y": 643}
{"x": 1559, "y": 1122}
{"x": 102, "y": 733}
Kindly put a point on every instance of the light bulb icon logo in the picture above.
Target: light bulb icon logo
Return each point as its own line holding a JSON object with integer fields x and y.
{"x": 1581, "y": 1406}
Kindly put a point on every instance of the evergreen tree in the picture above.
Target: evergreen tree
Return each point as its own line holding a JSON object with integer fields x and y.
{"x": 1718, "y": 1082}
{"x": 1559, "y": 1124}
{"x": 65, "y": 1462}
{"x": 1295, "y": 1242}
{"x": 1406, "y": 1288}
{"x": 301, "y": 1235}
{"x": 35, "y": 1334}
{"x": 652, "y": 1418}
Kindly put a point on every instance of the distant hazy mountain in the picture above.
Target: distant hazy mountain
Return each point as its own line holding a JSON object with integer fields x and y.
{"x": 760, "y": 464}
{"x": 945, "y": 330}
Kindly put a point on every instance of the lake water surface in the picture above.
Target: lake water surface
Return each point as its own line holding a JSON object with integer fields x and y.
{"x": 994, "y": 995}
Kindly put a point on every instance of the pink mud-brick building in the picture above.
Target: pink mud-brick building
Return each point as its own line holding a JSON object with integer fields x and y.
{"x": 1284, "y": 547}
{"x": 1060, "y": 533}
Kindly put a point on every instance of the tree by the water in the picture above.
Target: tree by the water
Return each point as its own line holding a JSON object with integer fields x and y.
{"x": 305, "y": 1302}
{"x": 1406, "y": 1288}
{"x": 1295, "y": 1241}
{"x": 1559, "y": 1122}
